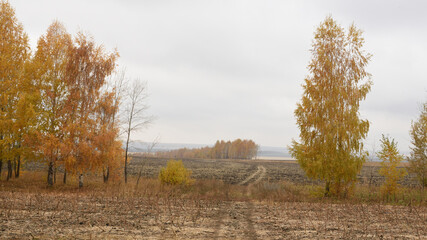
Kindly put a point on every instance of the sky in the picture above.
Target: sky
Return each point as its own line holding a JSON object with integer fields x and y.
{"x": 234, "y": 69}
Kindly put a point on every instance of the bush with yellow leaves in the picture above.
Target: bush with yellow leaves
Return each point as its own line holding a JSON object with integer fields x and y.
{"x": 391, "y": 158}
{"x": 175, "y": 173}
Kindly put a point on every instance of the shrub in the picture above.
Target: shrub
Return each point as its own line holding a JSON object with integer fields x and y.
{"x": 175, "y": 174}
{"x": 391, "y": 159}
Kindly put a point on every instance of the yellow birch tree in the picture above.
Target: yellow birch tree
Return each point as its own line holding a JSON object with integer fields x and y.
{"x": 14, "y": 54}
{"x": 418, "y": 158}
{"x": 331, "y": 131}
{"x": 87, "y": 70}
{"x": 50, "y": 65}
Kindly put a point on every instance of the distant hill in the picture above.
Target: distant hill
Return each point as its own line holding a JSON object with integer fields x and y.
{"x": 266, "y": 151}
{"x": 139, "y": 146}
{"x": 263, "y": 151}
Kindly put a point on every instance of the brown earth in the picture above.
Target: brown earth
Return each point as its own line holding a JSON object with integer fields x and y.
{"x": 255, "y": 206}
{"x": 144, "y": 215}
{"x": 235, "y": 171}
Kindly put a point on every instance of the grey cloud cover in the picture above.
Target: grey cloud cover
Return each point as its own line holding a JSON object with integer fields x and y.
{"x": 229, "y": 69}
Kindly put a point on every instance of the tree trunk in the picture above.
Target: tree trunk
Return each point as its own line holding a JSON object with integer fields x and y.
{"x": 139, "y": 177}
{"x": 14, "y": 166}
{"x": 50, "y": 174}
{"x": 1, "y": 154}
{"x": 18, "y": 167}
{"x": 54, "y": 174}
{"x": 9, "y": 170}
{"x": 64, "y": 180}
{"x": 106, "y": 174}
{"x": 127, "y": 148}
{"x": 327, "y": 189}
{"x": 126, "y": 162}
{"x": 80, "y": 180}
{"x": 126, "y": 168}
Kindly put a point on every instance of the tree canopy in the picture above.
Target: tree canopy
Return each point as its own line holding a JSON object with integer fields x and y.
{"x": 54, "y": 105}
{"x": 418, "y": 157}
{"x": 331, "y": 131}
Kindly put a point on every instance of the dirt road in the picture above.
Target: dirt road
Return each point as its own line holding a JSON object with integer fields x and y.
{"x": 258, "y": 176}
{"x": 237, "y": 222}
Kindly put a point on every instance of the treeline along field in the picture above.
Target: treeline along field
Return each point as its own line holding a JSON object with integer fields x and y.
{"x": 237, "y": 149}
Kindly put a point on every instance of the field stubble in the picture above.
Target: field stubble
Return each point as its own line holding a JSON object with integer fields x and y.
{"x": 257, "y": 205}
{"x": 235, "y": 171}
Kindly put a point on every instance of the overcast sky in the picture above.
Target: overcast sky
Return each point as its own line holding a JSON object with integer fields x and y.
{"x": 234, "y": 69}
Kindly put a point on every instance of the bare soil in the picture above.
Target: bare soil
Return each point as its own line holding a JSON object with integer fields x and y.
{"x": 86, "y": 215}
{"x": 234, "y": 171}
{"x": 211, "y": 209}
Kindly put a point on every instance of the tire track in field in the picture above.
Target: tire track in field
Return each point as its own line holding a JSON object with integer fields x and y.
{"x": 260, "y": 170}
{"x": 241, "y": 216}
{"x": 250, "y": 232}
{"x": 261, "y": 175}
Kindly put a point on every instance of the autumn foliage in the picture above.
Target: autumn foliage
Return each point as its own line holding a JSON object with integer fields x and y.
{"x": 418, "y": 158}
{"x": 390, "y": 160}
{"x": 238, "y": 149}
{"x": 175, "y": 173}
{"x": 16, "y": 91}
{"x": 331, "y": 131}
{"x": 54, "y": 105}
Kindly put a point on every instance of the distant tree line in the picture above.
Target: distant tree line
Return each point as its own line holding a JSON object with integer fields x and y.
{"x": 237, "y": 149}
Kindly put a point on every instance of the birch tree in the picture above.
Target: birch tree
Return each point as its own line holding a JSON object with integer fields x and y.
{"x": 418, "y": 158}
{"x": 14, "y": 55}
{"x": 50, "y": 64}
{"x": 88, "y": 67}
{"x": 135, "y": 113}
{"x": 331, "y": 130}
{"x": 114, "y": 96}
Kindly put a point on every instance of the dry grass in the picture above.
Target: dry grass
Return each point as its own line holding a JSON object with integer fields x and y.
{"x": 208, "y": 209}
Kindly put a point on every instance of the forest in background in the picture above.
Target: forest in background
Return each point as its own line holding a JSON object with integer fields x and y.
{"x": 237, "y": 149}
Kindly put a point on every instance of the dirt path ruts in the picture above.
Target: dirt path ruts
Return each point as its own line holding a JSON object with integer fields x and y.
{"x": 219, "y": 221}
{"x": 250, "y": 232}
{"x": 228, "y": 223}
{"x": 260, "y": 171}
{"x": 261, "y": 175}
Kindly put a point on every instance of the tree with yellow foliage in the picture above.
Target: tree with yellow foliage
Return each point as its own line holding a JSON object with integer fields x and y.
{"x": 331, "y": 131}
{"x": 14, "y": 55}
{"x": 87, "y": 69}
{"x": 418, "y": 158}
{"x": 389, "y": 166}
{"x": 108, "y": 146}
{"x": 50, "y": 66}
